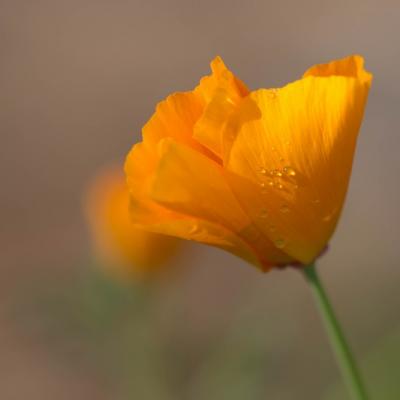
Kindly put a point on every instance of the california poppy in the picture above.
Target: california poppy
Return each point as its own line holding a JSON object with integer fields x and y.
{"x": 261, "y": 174}
{"x": 127, "y": 251}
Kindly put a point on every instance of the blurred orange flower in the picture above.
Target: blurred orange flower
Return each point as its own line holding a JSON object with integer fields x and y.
{"x": 261, "y": 174}
{"x": 126, "y": 250}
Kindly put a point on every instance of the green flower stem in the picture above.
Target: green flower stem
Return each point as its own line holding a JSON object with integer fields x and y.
{"x": 338, "y": 342}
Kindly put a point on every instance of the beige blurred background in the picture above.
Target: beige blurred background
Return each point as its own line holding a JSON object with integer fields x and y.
{"x": 78, "y": 80}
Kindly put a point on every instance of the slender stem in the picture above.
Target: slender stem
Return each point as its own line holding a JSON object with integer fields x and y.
{"x": 338, "y": 342}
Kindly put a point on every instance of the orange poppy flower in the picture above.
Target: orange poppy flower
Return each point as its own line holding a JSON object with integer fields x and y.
{"x": 261, "y": 174}
{"x": 126, "y": 250}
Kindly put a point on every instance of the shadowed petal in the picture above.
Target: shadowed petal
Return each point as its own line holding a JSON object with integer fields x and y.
{"x": 189, "y": 183}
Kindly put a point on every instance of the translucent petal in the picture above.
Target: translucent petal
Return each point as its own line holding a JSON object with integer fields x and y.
{"x": 189, "y": 183}
{"x": 299, "y": 151}
{"x": 220, "y": 93}
{"x": 125, "y": 249}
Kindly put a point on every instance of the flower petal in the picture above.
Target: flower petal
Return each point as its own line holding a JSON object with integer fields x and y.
{"x": 220, "y": 93}
{"x": 123, "y": 248}
{"x": 352, "y": 67}
{"x": 189, "y": 183}
{"x": 147, "y": 214}
{"x": 221, "y": 77}
{"x": 294, "y": 162}
{"x": 174, "y": 117}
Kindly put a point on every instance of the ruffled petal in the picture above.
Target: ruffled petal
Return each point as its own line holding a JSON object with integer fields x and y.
{"x": 293, "y": 162}
{"x": 196, "y": 118}
{"x": 221, "y": 77}
{"x": 220, "y": 93}
{"x": 174, "y": 117}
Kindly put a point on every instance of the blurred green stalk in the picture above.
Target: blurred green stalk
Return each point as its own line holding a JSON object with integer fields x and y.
{"x": 338, "y": 342}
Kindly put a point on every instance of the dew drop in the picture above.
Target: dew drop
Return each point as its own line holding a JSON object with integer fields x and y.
{"x": 276, "y": 172}
{"x": 263, "y": 213}
{"x": 280, "y": 243}
{"x": 329, "y": 216}
{"x": 263, "y": 171}
{"x": 230, "y": 101}
{"x": 263, "y": 186}
{"x": 289, "y": 171}
{"x": 271, "y": 183}
{"x": 279, "y": 186}
{"x": 285, "y": 208}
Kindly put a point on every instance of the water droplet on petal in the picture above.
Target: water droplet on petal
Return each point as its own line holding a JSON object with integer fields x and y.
{"x": 276, "y": 172}
{"x": 329, "y": 216}
{"x": 279, "y": 186}
{"x": 285, "y": 208}
{"x": 263, "y": 171}
{"x": 289, "y": 171}
{"x": 263, "y": 186}
{"x": 230, "y": 101}
{"x": 280, "y": 243}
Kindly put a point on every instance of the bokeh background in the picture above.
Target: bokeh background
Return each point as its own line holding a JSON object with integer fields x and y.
{"x": 78, "y": 80}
